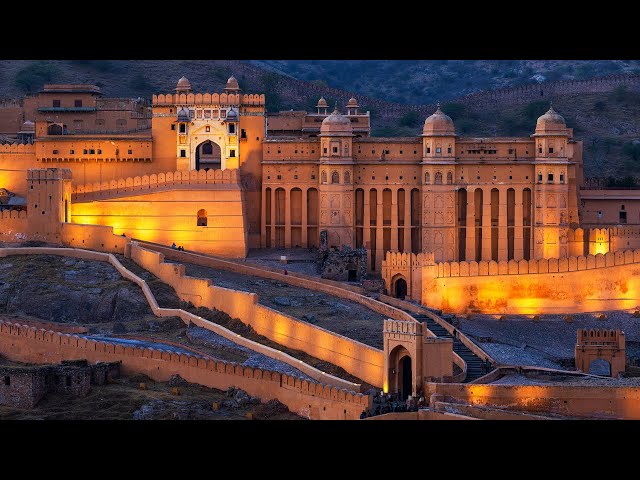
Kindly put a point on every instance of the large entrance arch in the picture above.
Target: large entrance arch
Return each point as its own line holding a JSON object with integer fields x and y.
{"x": 208, "y": 155}
{"x": 401, "y": 372}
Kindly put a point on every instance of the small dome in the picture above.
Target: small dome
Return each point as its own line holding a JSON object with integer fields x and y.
{"x": 551, "y": 122}
{"x": 28, "y": 126}
{"x": 439, "y": 124}
{"x": 352, "y": 102}
{"x": 183, "y": 115}
{"x": 322, "y": 103}
{"x": 232, "y": 115}
{"x": 336, "y": 123}
{"x": 183, "y": 85}
{"x": 232, "y": 84}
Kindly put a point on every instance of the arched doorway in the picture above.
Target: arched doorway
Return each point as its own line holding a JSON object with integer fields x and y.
{"x": 208, "y": 155}
{"x": 400, "y": 372}
{"x": 405, "y": 377}
{"x": 600, "y": 367}
{"x": 401, "y": 288}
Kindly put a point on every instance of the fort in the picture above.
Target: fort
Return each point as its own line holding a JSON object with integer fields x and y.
{"x": 461, "y": 225}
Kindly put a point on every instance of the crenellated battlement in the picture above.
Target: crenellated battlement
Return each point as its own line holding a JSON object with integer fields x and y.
{"x": 18, "y": 149}
{"x": 599, "y": 337}
{"x": 208, "y": 99}
{"x": 399, "y": 260}
{"x": 153, "y": 181}
{"x": 60, "y": 346}
{"x": 544, "y": 265}
{"x": 400, "y": 327}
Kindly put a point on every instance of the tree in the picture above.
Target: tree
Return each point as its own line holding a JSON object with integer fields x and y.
{"x": 35, "y": 75}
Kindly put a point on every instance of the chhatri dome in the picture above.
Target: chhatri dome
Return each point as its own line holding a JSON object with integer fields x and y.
{"x": 438, "y": 124}
{"x": 322, "y": 103}
{"x": 232, "y": 85}
{"x": 551, "y": 122}
{"x": 352, "y": 102}
{"x": 336, "y": 123}
{"x": 183, "y": 85}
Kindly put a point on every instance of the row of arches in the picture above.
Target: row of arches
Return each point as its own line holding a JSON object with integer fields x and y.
{"x": 291, "y": 217}
{"x": 479, "y": 210}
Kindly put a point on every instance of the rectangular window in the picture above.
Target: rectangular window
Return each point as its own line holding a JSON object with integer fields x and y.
{"x": 279, "y": 177}
{"x": 214, "y": 113}
{"x": 173, "y": 126}
{"x": 448, "y": 149}
{"x": 92, "y": 151}
{"x": 129, "y": 151}
{"x": 99, "y": 151}
{"x": 223, "y": 114}
{"x": 198, "y": 113}
{"x": 183, "y": 153}
{"x": 325, "y": 150}
{"x": 438, "y": 150}
{"x": 550, "y": 177}
{"x": 207, "y": 114}
{"x": 539, "y": 177}
{"x": 511, "y": 151}
{"x": 295, "y": 177}
{"x": 85, "y": 151}
{"x": 623, "y": 217}
{"x": 313, "y": 177}
{"x": 56, "y": 104}
{"x": 386, "y": 152}
{"x": 232, "y": 128}
{"x": 232, "y": 153}
{"x": 243, "y": 133}
{"x": 183, "y": 128}
{"x": 191, "y": 114}
{"x": 428, "y": 149}
{"x": 335, "y": 149}
{"x": 77, "y": 103}
{"x": 71, "y": 152}
{"x": 55, "y": 152}
{"x": 562, "y": 178}
{"x": 550, "y": 149}
{"x": 540, "y": 150}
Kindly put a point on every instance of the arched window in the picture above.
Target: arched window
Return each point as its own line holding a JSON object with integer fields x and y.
{"x": 449, "y": 178}
{"x": 427, "y": 177}
{"x": 54, "y": 129}
{"x": 335, "y": 177}
{"x": 323, "y": 177}
{"x": 438, "y": 179}
{"x": 347, "y": 179}
{"x": 202, "y": 217}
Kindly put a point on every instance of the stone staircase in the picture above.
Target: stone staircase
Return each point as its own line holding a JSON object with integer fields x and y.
{"x": 475, "y": 365}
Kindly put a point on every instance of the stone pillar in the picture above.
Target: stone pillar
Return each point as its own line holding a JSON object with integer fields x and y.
{"x": 287, "y": 218}
{"x": 471, "y": 226}
{"x": 503, "y": 247}
{"x": 305, "y": 220}
{"x": 518, "y": 234}
{"x": 407, "y": 220}
{"x": 273, "y": 217}
{"x": 379, "y": 233}
{"x": 366, "y": 227}
{"x": 263, "y": 219}
{"x": 394, "y": 220}
{"x": 486, "y": 224}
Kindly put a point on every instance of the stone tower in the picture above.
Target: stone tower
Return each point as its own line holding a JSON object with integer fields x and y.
{"x": 48, "y": 201}
{"x": 336, "y": 180}
{"x": 551, "y": 189}
{"x": 438, "y": 197}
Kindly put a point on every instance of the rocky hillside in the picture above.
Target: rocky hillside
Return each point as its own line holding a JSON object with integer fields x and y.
{"x": 604, "y": 113}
